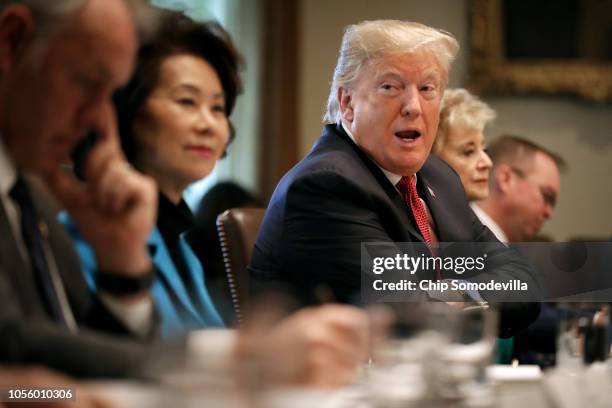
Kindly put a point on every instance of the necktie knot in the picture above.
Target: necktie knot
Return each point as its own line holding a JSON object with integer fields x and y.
{"x": 407, "y": 187}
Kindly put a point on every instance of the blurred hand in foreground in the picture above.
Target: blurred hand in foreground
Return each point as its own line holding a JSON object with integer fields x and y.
{"x": 321, "y": 346}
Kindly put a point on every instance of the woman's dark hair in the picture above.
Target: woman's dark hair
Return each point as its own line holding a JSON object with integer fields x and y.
{"x": 177, "y": 34}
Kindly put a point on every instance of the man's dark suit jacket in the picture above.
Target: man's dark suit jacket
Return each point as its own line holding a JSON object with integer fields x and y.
{"x": 29, "y": 336}
{"x": 336, "y": 198}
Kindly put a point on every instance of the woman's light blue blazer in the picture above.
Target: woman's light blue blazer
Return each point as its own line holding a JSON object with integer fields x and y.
{"x": 179, "y": 311}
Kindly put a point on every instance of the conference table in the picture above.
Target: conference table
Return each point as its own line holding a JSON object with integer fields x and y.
{"x": 574, "y": 387}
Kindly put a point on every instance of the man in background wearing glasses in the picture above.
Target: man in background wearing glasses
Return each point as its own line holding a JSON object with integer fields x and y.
{"x": 523, "y": 190}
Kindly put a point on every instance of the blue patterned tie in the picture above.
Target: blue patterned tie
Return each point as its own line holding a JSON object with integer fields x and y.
{"x": 33, "y": 239}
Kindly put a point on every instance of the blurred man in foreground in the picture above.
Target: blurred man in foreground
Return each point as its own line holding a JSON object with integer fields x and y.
{"x": 59, "y": 65}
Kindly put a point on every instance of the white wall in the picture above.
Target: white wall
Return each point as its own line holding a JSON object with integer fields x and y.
{"x": 580, "y": 132}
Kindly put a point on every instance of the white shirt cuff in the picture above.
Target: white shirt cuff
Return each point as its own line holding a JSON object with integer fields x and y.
{"x": 212, "y": 349}
{"x": 137, "y": 316}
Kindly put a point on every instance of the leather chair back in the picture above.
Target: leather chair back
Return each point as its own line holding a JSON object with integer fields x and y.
{"x": 237, "y": 229}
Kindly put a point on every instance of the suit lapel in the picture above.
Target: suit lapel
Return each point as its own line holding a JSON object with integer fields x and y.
{"x": 169, "y": 274}
{"x": 443, "y": 219}
{"x": 17, "y": 269}
{"x": 398, "y": 204}
{"x": 203, "y": 302}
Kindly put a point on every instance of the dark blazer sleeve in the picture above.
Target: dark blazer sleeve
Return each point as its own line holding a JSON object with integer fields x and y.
{"x": 28, "y": 336}
{"x": 25, "y": 339}
{"x": 336, "y": 199}
{"x": 89, "y": 310}
{"x": 327, "y": 217}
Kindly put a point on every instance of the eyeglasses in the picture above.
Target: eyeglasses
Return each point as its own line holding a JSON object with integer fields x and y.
{"x": 549, "y": 197}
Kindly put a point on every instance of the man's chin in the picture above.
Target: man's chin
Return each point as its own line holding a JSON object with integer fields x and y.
{"x": 531, "y": 234}
{"x": 409, "y": 168}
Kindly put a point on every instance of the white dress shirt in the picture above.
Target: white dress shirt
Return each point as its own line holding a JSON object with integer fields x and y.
{"x": 490, "y": 223}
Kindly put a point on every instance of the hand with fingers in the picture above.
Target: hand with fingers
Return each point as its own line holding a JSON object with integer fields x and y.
{"x": 321, "y": 346}
{"x": 114, "y": 209}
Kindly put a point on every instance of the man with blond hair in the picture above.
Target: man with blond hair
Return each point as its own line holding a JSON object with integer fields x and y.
{"x": 370, "y": 176}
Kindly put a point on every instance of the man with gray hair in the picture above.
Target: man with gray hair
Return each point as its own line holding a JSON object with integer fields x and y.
{"x": 59, "y": 65}
{"x": 370, "y": 177}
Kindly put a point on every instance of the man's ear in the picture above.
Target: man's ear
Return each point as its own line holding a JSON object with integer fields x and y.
{"x": 16, "y": 31}
{"x": 503, "y": 178}
{"x": 345, "y": 101}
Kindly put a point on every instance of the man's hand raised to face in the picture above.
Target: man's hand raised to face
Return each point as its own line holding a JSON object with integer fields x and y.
{"x": 115, "y": 209}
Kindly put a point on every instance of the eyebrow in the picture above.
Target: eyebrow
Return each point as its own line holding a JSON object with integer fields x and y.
{"x": 428, "y": 75}
{"x": 195, "y": 89}
{"x": 389, "y": 74}
{"x": 431, "y": 74}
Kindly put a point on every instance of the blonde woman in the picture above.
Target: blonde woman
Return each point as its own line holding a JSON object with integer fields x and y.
{"x": 460, "y": 140}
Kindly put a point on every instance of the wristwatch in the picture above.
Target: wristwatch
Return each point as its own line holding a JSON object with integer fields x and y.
{"x": 116, "y": 284}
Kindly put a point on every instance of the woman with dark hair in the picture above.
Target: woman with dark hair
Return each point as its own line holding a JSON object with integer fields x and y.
{"x": 201, "y": 49}
{"x": 174, "y": 126}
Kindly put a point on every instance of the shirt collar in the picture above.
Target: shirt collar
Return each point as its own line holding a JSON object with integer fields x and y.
{"x": 489, "y": 223}
{"x": 8, "y": 172}
{"x": 393, "y": 178}
{"x": 174, "y": 219}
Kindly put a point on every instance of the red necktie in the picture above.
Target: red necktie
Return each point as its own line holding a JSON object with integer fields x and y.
{"x": 407, "y": 187}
